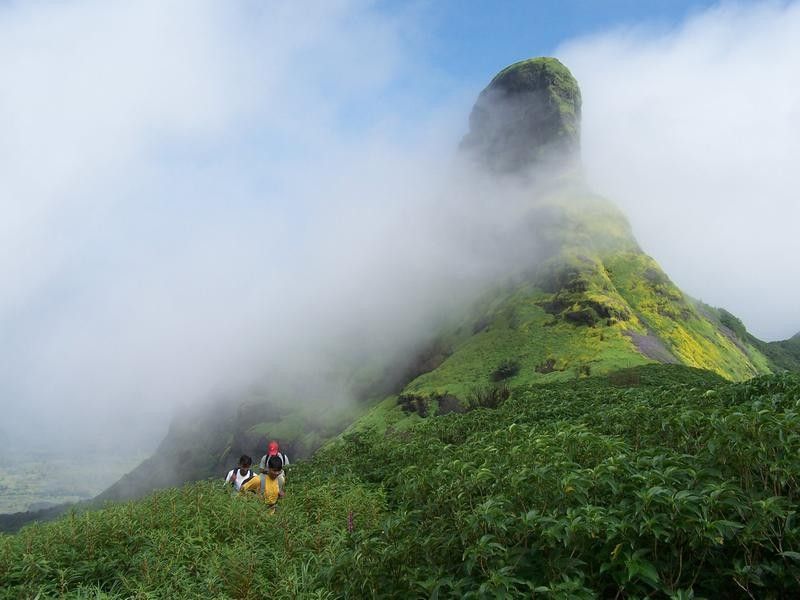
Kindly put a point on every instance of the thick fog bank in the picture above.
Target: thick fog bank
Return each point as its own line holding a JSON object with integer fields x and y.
{"x": 693, "y": 131}
{"x": 200, "y": 197}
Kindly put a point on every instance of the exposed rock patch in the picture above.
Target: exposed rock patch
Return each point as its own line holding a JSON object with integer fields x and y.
{"x": 652, "y": 347}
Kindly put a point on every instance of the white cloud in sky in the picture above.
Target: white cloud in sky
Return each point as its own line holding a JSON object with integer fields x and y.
{"x": 693, "y": 131}
{"x": 197, "y": 194}
{"x": 152, "y": 156}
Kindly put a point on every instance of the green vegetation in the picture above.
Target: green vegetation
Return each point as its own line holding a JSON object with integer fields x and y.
{"x": 595, "y": 303}
{"x": 783, "y": 355}
{"x": 193, "y": 542}
{"x": 658, "y": 481}
{"x": 528, "y": 114}
{"x": 551, "y": 76}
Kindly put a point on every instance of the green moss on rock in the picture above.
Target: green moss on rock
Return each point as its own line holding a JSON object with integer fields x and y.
{"x": 529, "y": 113}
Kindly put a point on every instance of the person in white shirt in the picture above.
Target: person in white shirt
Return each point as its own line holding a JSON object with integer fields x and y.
{"x": 238, "y": 477}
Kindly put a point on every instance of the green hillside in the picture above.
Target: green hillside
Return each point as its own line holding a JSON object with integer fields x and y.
{"x": 595, "y": 305}
{"x": 658, "y": 481}
{"x": 589, "y": 301}
{"x": 784, "y": 355}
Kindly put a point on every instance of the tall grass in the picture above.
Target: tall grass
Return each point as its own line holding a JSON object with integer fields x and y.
{"x": 197, "y": 541}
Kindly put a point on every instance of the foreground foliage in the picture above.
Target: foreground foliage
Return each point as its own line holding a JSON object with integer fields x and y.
{"x": 194, "y": 542}
{"x": 659, "y": 481}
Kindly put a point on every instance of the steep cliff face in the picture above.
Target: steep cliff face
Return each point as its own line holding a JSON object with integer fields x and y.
{"x": 529, "y": 114}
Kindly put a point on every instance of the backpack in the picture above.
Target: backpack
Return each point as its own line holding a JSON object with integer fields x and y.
{"x": 266, "y": 458}
{"x": 250, "y": 475}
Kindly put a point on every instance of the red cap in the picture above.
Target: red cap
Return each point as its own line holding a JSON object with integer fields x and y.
{"x": 272, "y": 448}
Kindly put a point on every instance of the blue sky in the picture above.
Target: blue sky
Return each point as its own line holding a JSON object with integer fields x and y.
{"x": 454, "y": 47}
{"x": 473, "y": 38}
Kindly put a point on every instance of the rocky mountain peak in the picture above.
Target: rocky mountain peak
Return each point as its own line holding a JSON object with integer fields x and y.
{"x": 529, "y": 114}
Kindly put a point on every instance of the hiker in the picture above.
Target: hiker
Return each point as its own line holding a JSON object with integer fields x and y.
{"x": 238, "y": 477}
{"x": 270, "y": 485}
{"x": 274, "y": 450}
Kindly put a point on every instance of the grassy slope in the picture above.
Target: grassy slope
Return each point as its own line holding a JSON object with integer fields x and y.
{"x": 784, "y": 355}
{"x": 575, "y": 315}
{"x": 691, "y": 337}
{"x": 658, "y": 480}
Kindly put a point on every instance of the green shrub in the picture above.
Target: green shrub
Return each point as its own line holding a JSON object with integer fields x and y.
{"x": 491, "y": 396}
{"x": 414, "y": 403}
{"x": 625, "y": 377}
{"x": 505, "y": 370}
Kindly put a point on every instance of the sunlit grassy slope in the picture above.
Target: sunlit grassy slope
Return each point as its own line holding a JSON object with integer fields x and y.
{"x": 657, "y": 481}
{"x": 596, "y": 303}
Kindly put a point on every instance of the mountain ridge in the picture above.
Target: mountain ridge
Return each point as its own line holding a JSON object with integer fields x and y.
{"x": 589, "y": 302}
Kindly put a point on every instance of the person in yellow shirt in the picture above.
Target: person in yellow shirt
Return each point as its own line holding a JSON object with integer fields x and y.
{"x": 269, "y": 485}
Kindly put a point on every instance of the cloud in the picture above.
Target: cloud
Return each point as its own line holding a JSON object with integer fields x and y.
{"x": 693, "y": 132}
{"x": 154, "y": 227}
{"x": 201, "y": 195}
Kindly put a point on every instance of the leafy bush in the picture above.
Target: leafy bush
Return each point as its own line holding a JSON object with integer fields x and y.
{"x": 414, "y": 403}
{"x": 449, "y": 404}
{"x": 491, "y": 396}
{"x": 548, "y": 366}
